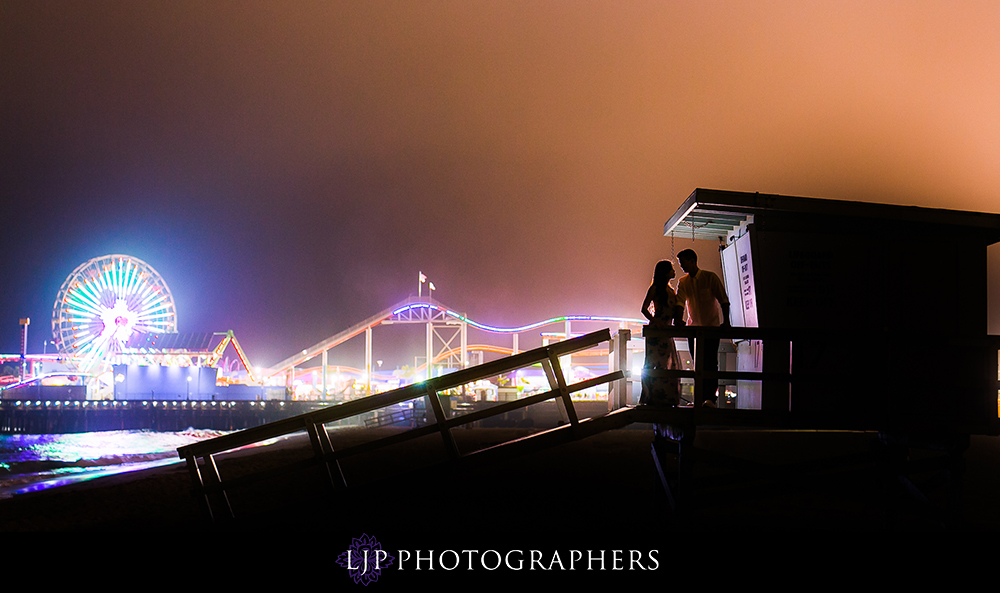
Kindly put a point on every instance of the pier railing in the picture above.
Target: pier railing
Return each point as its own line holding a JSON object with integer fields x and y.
{"x": 210, "y": 487}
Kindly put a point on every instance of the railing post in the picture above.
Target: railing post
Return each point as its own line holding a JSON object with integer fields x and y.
{"x": 553, "y": 370}
{"x": 697, "y": 347}
{"x": 215, "y": 481}
{"x": 442, "y": 422}
{"x": 618, "y": 391}
{"x": 199, "y": 486}
{"x": 322, "y": 447}
{"x": 554, "y": 385}
{"x": 325, "y": 439}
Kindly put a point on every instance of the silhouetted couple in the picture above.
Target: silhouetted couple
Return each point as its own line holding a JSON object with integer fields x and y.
{"x": 701, "y": 292}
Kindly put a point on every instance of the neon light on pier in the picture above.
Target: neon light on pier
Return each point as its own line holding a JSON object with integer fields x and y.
{"x": 514, "y": 330}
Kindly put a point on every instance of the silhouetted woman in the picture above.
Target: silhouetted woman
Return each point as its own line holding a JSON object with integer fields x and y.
{"x": 660, "y": 352}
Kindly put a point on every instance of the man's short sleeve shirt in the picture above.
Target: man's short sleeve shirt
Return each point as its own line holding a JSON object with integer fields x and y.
{"x": 703, "y": 294}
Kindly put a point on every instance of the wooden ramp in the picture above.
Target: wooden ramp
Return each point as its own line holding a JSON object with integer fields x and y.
{"x": 673, "y": 450}
{"x": 211, "y": 488}
{"x": 553, "y": 437}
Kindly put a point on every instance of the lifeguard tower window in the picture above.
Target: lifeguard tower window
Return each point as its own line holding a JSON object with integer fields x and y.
{"x": 878, "y": 338}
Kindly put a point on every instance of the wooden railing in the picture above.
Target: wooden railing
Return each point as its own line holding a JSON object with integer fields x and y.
{"x": 781, "y": 404}
{"x": 776, "y": 368}
{"x": 209, "y": 485}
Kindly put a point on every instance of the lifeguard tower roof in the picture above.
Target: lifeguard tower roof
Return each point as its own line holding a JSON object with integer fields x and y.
{"x": 710, "y": 214}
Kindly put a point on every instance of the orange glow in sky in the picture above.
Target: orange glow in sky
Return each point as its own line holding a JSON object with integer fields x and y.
{"x": 289, "y": 166}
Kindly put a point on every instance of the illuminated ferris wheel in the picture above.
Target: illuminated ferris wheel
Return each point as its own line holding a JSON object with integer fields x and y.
{"x": 103, "y": 303}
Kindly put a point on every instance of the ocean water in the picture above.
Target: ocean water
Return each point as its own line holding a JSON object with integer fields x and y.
{"x": 31, "y": 462}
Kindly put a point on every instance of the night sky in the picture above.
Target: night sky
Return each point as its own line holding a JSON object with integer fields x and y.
{"x": 289, "y": 167}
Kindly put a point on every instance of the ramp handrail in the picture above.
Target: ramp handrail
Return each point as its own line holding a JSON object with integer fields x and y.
{"x": 208, "y": 482}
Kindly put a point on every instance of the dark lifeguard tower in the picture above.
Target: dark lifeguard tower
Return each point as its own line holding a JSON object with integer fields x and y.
{"x": 884, "y": 308}
{"x": 847, "y": 316}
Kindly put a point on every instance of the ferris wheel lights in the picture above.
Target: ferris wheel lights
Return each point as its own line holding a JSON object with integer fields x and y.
{"x": 104, "y": 302}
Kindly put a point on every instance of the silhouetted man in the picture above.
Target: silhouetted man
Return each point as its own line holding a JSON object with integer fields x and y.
{"x": 707, "y": 305}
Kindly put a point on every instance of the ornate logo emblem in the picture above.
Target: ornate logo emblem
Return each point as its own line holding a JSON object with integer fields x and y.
{"x": 365, "y": 559}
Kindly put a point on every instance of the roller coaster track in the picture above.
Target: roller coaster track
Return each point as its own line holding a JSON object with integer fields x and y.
{"x": 423, "y": 310}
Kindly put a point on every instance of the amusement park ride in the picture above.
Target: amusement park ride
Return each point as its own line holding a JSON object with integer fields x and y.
{"x": 114, "y": 319}
{"x": 116, "y": 310}
{"x": 447, "y": 345}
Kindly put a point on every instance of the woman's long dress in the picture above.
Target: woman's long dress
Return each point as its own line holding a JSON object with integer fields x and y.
{"x": 661, "y": 354}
